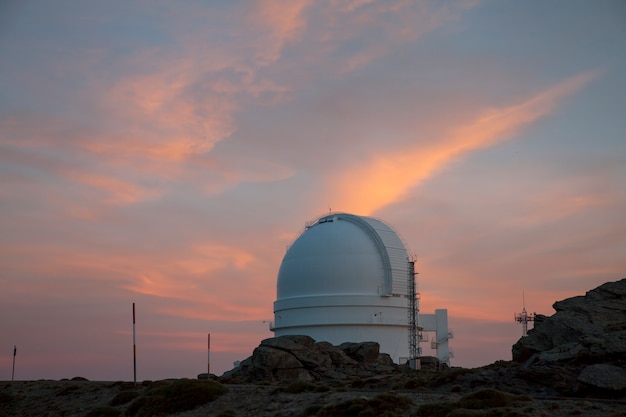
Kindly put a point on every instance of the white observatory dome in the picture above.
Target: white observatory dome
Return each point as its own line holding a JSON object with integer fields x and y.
{"x": 346, "y": 279}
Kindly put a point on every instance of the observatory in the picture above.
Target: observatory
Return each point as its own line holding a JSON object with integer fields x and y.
{"x": 349, "y": 278}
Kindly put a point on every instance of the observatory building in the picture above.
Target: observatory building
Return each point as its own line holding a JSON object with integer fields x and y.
{"x": 349, "y": 278}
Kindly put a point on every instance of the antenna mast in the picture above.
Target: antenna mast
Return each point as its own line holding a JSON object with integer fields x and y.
{"x": 524, "y": 317}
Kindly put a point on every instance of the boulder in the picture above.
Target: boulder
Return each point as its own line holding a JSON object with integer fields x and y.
{"x": 429, "y": 363}
{"x": 366, "y": 352}
{"x": 604, "y": 376}
{"x": 299, "y": 357}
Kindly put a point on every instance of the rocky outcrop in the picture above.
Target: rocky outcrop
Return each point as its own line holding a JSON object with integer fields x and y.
{"x": 591, "y": 328}
{"x": 299, "y": 357}
{"x": 582, "y": 347}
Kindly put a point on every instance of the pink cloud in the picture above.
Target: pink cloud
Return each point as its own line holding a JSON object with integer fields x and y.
{"x": 282, "y": 21}
{"x": 386, "y": 178}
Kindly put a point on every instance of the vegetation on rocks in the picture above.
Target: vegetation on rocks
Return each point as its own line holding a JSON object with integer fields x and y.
{"x": 124, "y": 397}
{"x": 104, "y": 411}
{"x": 484, "y": 403}
{"x": 382, "y": 405}
{"x": 165, "y": 397}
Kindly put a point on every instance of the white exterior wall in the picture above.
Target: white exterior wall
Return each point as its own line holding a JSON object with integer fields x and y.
{"x": 338, "y": 319}
{"x": 438, "y": 323}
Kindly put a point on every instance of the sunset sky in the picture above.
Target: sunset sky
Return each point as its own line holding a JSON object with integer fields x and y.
{"x": 166, "y": 153}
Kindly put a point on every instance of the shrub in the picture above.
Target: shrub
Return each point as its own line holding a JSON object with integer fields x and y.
{"x": 448, "y": 376}
{"x": 104, "y": 412}
{"x": 312, "y": 410}
{"x": 5, "y": 397}
{"x": 435, "y": 409}
{"x": 163, "y": 397}
{"x": 322, "y": 388}
{"x": 299, "y": 386}
{"x": 123, "y": 397}
{"x": 67, "y": 389}
{"x": 383, "y": 405}
{"x": 485, "y": 398}
{"x": 485, "y": 403}
{"x": 413, "y": 383}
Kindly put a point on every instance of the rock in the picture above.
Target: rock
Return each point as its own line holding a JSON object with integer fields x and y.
{"x": 205, "y": 375}
{"x": 362, "y": 352}
{"x": 604, "y": 376}
{"x": 562, "y": 352}
{"x": 584, "y": 328}
{"x": 385, "y": 360}
{"x": 301, "y": 358}
{"x": 338, "y": 357}
{"x": 581, "y": 349}
{"x": 268, "y": 357}
{"x": 429, "y": 363}
{"x": 289, "y": 343}
{"x": 276, "y": 364}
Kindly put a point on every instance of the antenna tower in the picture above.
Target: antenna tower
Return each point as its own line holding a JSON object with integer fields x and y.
{"x": 524, "y": 317}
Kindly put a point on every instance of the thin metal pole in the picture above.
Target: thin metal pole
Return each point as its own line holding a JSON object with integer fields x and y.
{"x": 134, "y": 349}
{"x": 208, "y": 367}
{"x": 13, "y": 371}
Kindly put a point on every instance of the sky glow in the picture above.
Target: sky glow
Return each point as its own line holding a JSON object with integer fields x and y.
{"x": 167, "y": 153}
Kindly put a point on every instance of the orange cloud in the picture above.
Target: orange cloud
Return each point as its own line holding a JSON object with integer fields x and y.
{"x": 283, "y": 20}
{"x": 220, "y": 307}
{"x": 115, "y": 191}
{"x": 162, "y": 119}
{"x": 211, "y": 257}
{"x": 229, "y": 279}
{"x": 387, "y": 178}
{"x": 398, "y": 22}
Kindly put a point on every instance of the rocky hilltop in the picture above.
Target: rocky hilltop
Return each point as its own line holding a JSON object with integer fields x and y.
{"x": 590, "y": 328}
{"x": 582, "y": 347}
{"x": 571, "y": 363}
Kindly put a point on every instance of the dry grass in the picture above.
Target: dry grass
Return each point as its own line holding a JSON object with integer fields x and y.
{"x": 165, "y": 397}
{"x": 484, "y": 403}
{"x": 188, "y": 398}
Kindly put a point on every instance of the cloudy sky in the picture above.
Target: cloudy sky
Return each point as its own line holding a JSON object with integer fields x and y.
{"x": 167, "y": 152}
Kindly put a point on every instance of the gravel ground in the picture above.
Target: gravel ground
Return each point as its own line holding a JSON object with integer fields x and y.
{"x": 79, "y": 398}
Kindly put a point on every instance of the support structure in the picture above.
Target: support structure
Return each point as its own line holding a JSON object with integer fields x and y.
{"x": 438, "y": 323}
{"x": 524, "y": 317}
{"x": 413, "y": 311}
